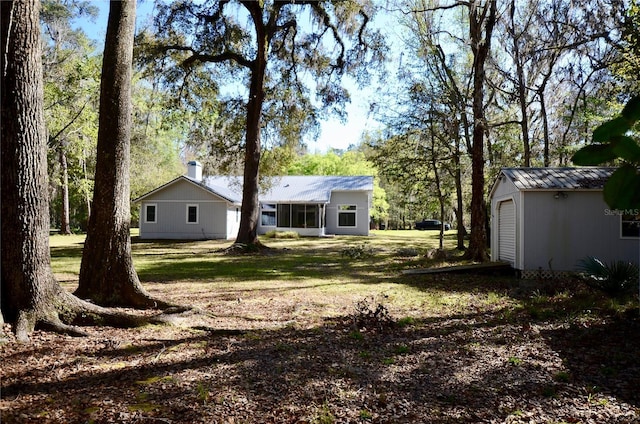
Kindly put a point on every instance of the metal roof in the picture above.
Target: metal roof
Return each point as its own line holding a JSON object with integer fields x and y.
{"x": 294, "y": 189}
{"x": 586, "y": 178}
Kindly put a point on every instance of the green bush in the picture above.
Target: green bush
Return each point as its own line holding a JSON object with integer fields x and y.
{"x": 273, "y": 234}
{"x": 614, "y": 279}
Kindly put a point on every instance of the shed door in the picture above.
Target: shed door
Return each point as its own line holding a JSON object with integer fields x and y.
{"x": 507, "y": 231}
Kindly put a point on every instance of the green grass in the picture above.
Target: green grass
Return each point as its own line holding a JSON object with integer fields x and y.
{"x": 317, "y": 269}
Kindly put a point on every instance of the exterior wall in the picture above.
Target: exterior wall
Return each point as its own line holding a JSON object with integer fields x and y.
{"x": 361, "y": 200}
{"x": 558, "y": 233}
{"x": 171, "y": 214}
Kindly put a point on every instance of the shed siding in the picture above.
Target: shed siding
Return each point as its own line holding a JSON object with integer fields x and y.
{"x": 361, "y": 201}
{"x": 560, "y": 232}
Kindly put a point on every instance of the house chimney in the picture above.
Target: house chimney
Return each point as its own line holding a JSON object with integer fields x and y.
{"x": 194, "y": 170}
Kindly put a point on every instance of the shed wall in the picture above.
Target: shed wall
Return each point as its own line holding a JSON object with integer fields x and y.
{"x": 558, "y": 233}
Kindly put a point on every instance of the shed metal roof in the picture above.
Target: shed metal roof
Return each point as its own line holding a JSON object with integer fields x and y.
{"x": 295, "y": 189}
{"x": 585, "y": 178}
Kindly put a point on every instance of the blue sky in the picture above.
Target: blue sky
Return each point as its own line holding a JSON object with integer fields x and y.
{"x": 334, "y": 134}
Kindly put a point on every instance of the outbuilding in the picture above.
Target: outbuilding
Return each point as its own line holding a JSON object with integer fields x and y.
{"x": 545, "y": 220}
{"x": 193, "y": 207}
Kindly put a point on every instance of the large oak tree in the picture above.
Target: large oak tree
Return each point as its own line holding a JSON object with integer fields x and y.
{"x": 275, "y": 57}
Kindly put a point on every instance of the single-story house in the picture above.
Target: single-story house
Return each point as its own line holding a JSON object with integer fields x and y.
{"x": 545, "y": 220}
{"x": 193, "y": 207}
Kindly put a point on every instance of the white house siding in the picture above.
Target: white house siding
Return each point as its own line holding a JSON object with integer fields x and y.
{"x": 171, "y": 214}
{"x": 560, "y": 232}
{"x": 362, "y": 202}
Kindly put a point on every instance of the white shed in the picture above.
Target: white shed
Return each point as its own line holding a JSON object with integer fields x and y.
{"x": 545, "y": 220}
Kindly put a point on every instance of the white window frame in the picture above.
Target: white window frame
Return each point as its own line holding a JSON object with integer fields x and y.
{"x": 348, "y": 209}
{"x": 146, "y": 219}
{"x": 193, "y": 205}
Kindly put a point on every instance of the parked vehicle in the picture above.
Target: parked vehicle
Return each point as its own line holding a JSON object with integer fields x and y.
{"x": 431, "y": 224}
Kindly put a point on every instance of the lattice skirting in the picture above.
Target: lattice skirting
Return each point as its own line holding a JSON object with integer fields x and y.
{"x": 544, "y": 274}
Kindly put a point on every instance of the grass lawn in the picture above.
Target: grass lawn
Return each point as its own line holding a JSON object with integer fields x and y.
{"x": 331, "y": 331}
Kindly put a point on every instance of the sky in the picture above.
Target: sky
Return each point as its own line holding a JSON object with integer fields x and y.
{"x": 334, "y": 133}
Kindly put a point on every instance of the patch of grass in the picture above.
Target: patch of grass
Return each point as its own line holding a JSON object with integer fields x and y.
{"x": 324, "y": 415}
{"x": 514, "y": 361}
{"x": 562, "y": 377}
{"x": 406, "y": 322}
{"x": 401, "y": 349}
{"x": 365, "y": 415}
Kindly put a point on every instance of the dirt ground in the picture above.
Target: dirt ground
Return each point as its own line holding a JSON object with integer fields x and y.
{"x": 290, "y": 356}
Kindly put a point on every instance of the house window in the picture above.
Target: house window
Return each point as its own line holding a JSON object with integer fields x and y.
{"x": 150, "y": 211}
{"x": 347, "y": 215}
{"x": 268, "y": 215}
{"x": 630, "y": 226}
{"x": 192, "y": 214}
{"x": 284, "y": 215}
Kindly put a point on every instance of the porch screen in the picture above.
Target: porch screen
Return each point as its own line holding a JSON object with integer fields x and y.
{"x": 304, "y": 216}
{"x": 298, "y": 216}
{"x": 284, "y": 215}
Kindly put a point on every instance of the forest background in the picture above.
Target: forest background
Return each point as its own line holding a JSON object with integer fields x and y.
{"x": 556, "y": 70}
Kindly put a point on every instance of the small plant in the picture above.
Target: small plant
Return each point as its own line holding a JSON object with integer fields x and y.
{"x": 401, "y": 349}
{"x": 406, "y": 321}
{"x": 514, "y": 361}
{"x": 203, "y": 393}
{"x": 613, "y": 279}
{"x": 562, "y": 377}
{"x": 365, "y": 415}
{"x": 324, "y": 415}
{"x": 357, "y": 252}
{"x": 356, "y": 335}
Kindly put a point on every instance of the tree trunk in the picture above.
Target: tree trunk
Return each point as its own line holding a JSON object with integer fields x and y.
{"x": 65, "y": 226}
{"x": 28, "y": 285}
{"x": 481, "y": 23}
{"x": 545, "y": 127}
{"x": 30, "y": 293}
{"x": 521, "y": 86}
{"x": 107, "y": 275}
{"x": 461, "y": 231}
{"x": 248, "y": 231}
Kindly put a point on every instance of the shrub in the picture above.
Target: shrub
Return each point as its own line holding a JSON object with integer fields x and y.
{"x": 273, "y": 234}
{"x": 357, "y": 252}
{"x": 614, "y": 279}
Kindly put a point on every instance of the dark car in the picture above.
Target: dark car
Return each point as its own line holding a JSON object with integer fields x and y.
{"x": 431, "y": 224}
